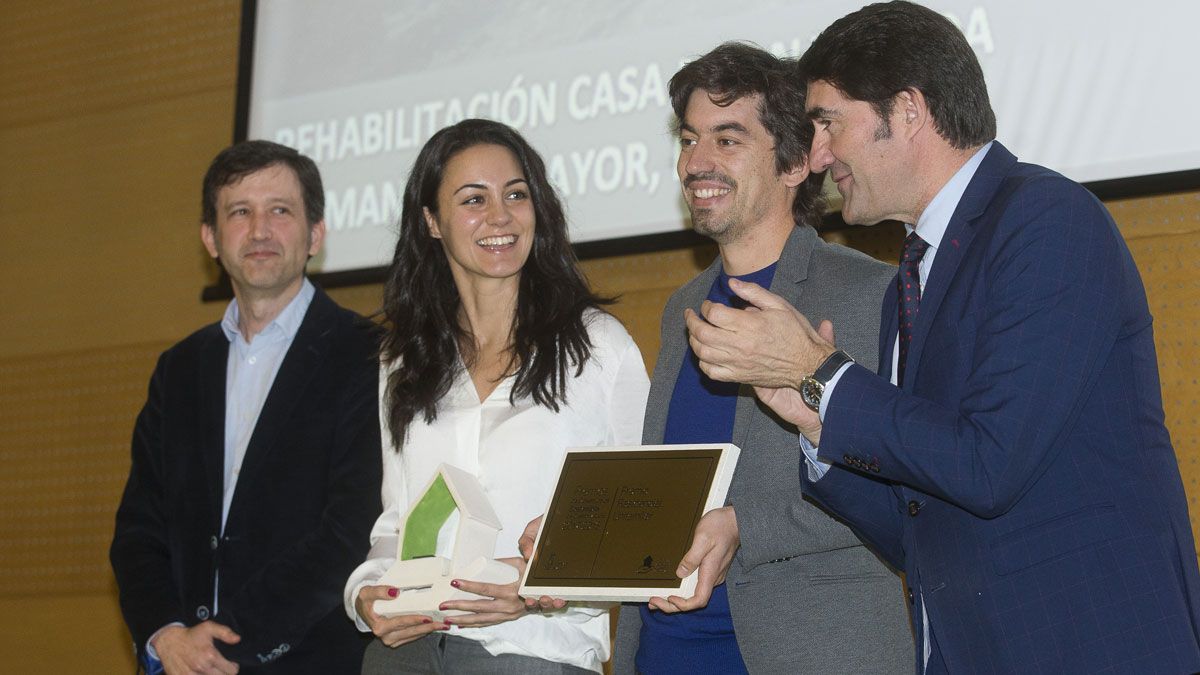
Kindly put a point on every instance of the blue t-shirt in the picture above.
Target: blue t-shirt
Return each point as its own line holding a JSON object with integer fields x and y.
{"x": 701, "y": 411}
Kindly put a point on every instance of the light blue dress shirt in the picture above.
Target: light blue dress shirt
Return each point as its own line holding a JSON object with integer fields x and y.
{"x": 931, "y": 226}
{"x": 250, "y": 372}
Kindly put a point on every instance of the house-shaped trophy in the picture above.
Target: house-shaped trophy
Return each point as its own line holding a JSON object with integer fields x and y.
{"x": 423, "y": 577}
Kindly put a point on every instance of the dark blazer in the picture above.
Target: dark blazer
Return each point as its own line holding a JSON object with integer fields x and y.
{"x": 798, "y": 572}
{"x": 301, "y": 514}
{"x": 1025, "y": 480}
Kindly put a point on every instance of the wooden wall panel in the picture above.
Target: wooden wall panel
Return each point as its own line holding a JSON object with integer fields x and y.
{"x": 1164, "y": 235}
{"x": 65, "y": 421}
{"x": 109, "y": 112}
{"x": 66, "y": 58}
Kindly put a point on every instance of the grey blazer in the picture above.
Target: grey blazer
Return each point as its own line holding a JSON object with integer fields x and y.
{"x": 806, "y": 595}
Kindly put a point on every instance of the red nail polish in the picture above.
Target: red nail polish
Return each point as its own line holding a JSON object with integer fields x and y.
{"x": 454, "y": 583}
{"x": 441, "y": 608}
{"x": 426, "y": 620}
{"x": 392, "y": 592}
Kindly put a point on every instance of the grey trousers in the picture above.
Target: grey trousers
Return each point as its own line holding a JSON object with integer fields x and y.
{"x": 450, "y": 655}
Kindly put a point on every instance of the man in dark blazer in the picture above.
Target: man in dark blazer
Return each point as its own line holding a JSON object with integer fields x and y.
{"x": 797, "y": 572}
{"x": 256, "y": 459}
{"x": 1016, "y": 465}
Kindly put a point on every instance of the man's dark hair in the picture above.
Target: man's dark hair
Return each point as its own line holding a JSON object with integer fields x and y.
{"x": 883, "y": 49}
{"x": 242, "y": 159}
{"x": 735, "y": 70}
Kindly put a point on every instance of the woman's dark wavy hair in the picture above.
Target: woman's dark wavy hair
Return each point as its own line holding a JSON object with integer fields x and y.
{"x": 421, "y": 302}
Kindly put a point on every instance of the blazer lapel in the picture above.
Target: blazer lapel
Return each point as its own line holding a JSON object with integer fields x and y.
{"x": 670, "y": 358}
{"x": 959, "y": 233}
{"x": 790, "y": 273}
{"x": 214, "y": 366}
{"x": 309, "y": 348}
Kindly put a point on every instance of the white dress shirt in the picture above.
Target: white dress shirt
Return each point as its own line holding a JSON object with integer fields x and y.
{"x": 515, "y": 451}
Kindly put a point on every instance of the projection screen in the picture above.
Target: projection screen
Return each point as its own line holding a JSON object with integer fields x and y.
{"x": 1096, "y": 89}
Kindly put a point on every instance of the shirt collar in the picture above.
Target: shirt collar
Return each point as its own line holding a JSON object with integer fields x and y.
{"x": 286, "y": 324}
{"x": 934, "y": 220}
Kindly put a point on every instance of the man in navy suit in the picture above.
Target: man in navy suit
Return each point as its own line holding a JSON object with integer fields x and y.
{"x": 256, "y": 459}
{"x": 1011, "y": 455}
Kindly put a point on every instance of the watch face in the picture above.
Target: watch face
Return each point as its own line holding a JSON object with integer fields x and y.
{"x": 810, "y": 391}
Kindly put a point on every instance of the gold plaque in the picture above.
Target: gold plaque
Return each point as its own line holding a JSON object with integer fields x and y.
{"x": 621, "y": 519}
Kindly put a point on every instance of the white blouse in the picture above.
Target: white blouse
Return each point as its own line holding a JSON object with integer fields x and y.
{"x": 515, "y": 452}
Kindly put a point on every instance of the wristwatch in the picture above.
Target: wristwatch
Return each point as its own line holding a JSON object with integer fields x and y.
{"x": 812, "y": 387}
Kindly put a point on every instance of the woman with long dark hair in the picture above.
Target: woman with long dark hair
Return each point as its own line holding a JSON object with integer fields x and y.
{"x": 497, "y": 358}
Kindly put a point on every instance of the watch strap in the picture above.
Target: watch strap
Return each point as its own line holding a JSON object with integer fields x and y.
{"x": 830, "y": 366}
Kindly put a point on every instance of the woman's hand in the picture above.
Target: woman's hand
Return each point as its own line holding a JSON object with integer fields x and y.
{"x": 503, "y": 603}
{"x": 397, "y": 630}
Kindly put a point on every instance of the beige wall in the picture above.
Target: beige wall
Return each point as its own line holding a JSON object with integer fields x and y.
{"x": 109, "y": 113}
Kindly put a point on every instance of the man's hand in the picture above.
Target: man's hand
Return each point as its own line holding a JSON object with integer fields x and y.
{"x": 787, "y": 403}
{"x": 525, "y": 544}
{"x": 190, "y": 650}
{"x": 396, "y": 630}
{"x": 769, "y": 344}
{"x": 503, "y": 603}
{"x": 713, "y": 546}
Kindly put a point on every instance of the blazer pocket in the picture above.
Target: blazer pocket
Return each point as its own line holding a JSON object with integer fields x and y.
{"x": 842, "y": 579}
{"x": 1052, "y": 538}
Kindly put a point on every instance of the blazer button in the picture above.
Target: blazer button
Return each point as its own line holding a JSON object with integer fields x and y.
{"x": 212, "y": 542}
{"x": 914, "y": 507}
{"x": 202, "y": 613}
{"x": 910, "y": 596}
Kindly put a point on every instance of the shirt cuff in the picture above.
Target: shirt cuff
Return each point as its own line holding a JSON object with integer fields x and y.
{"x": 816, "y": 468}
{"x": 150, "y": 651}
{"x": 829, "y": 386}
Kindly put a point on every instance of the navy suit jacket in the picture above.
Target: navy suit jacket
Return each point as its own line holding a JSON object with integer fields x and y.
{"x": 301, "y": 515}
{"x": 1022, "y": 475}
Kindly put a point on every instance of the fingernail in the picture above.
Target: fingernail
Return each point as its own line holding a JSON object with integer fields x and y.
{"x": 392, "y": 592}
{"x": 454, "y": 583}
{"x": 441, "y": 608}
{"x": 426, "y": 620}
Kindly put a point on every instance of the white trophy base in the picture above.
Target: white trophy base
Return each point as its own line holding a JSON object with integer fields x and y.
{"x": 424, "y": 585}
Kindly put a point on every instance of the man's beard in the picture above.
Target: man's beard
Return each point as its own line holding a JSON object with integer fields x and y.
{"x": 719, "y": 228}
